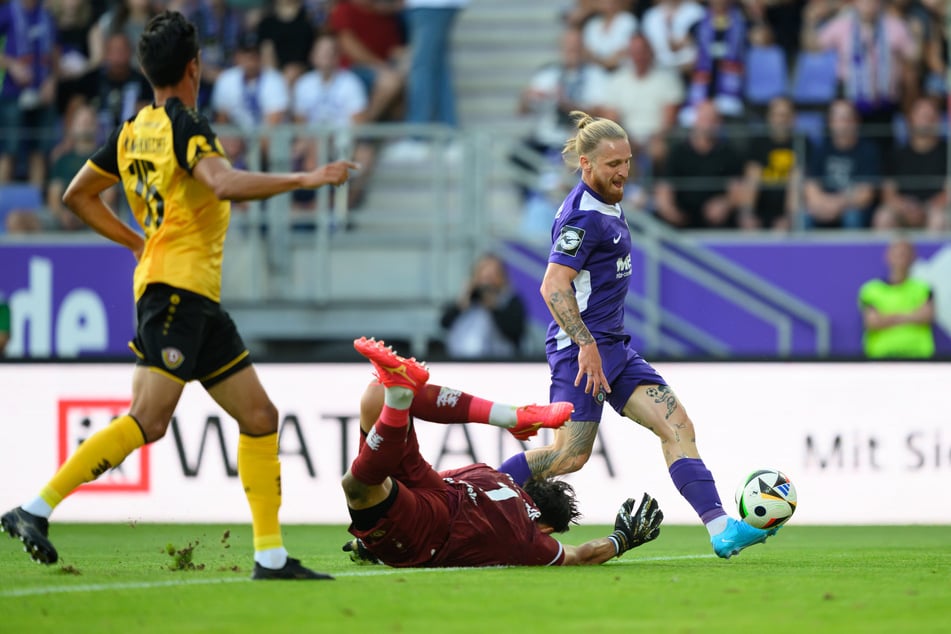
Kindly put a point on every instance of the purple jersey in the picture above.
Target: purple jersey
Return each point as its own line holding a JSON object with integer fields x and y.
{"x": 592, "y": 237}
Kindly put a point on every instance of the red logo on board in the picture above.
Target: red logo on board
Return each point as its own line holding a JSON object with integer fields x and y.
{"x": 81, "y": 418}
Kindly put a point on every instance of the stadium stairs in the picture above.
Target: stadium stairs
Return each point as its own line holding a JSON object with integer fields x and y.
{"x": 410, "y": 244}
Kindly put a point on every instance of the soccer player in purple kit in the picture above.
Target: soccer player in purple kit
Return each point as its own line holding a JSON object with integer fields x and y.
{"x": 588, "y": 351}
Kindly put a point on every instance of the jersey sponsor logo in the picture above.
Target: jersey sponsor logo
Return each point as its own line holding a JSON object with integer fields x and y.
{"x": 172, "y": 358}
{"x": 623, "y": 266}
{"x": 616, "y": 238}
{"x": 569, "y": 240}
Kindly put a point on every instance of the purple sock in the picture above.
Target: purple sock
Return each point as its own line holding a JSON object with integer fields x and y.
{"x": 695, "y": 483}
{"x": 517, "y": 467}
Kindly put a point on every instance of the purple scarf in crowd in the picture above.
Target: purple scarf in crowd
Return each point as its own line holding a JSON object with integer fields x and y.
{"x": 720, "y": 55}
{"x": 868, "y": 86}
{"x": 30, "y": 37}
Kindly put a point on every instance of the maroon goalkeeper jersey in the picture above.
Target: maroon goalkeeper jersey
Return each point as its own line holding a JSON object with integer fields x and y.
{"x": 494, "y": 523}
{"x": 477, "y": 517}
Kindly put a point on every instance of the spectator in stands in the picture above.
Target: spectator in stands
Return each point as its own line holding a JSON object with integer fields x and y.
{"x": 372, "y": 46}
{"x": 250, "y": 96}
{"x": 128, "y": 17}
{"x": 27, "y": 88}
{"x": 4, "y": 325}
{"x": 488, "y": 319}
{"x": 553, "y": 92}
{"x": 286, "y": 37}
{"x": 877, "y": 61}
{"x": 721, "y": 40}
{"x": 783, "y": 19}
{"x": 219, "y": 27}
{"x": 318, "y": 12}
{"x": 667, "y": 26}
{"x": 331, "y": 97}
{"x": 580, "y": 11}
{"x": 643, "y": 99}
{"x": 841, "y": 174}
{"x": 935, "y": 50}
{"x": 815, "y": 16}
{"x": 74, "y": 19}
{"x": 81, "y": 142}
{"x": 78, "y": 144}
{"x": 607, "y": 34}
{"x": 915, "y": 190}
{"x": 898, "y": 312}
{"x": 430, "y": 95}
{"x": 114, "y": 88}
{"x": 700, "y": 185}
{"x": 771, "y": 197}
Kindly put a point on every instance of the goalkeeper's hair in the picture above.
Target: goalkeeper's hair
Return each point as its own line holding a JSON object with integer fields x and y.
{"x": 556, "y": 500}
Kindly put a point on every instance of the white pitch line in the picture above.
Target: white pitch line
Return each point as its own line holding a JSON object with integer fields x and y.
{"x": 368, "y": 572}
{"x": 103, "y": 587}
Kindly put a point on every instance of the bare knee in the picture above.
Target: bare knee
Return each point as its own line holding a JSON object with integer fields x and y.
{"x": 259, "y": 420}
{"x": 353, "y": 489}
{"x": 153, "y": 427}
{"x": 371, "y": 405}
{"x": 361, "y": 495}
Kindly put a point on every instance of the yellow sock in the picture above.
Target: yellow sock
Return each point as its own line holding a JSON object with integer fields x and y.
{"x": 97, "y": 454}
{"x": 260, "y": 473}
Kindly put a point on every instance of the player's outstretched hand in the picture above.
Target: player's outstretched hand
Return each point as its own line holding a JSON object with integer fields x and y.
{"x": 359, "y": 553}
{"x": 335, "y": 173}
{"x": 632, "y": 529}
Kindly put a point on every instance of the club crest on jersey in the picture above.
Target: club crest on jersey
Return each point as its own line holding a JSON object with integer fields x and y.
{"x": 569, "y": 240}
{"x": 172, "y": 358}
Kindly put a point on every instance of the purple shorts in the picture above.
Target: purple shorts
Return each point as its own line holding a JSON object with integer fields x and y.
{"x": 623, "y": 367}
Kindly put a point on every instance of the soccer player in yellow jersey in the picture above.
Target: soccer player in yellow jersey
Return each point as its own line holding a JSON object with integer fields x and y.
{"x": 179, "y": 185}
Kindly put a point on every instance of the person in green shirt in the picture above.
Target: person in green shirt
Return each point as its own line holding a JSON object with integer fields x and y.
{"x": 898, "y": 312}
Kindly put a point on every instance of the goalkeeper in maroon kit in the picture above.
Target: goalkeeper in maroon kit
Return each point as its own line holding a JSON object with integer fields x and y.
{"x": 404, "y": 513}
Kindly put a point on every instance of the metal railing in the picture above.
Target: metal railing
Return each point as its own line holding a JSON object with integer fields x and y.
{"x": 298, "y": 274}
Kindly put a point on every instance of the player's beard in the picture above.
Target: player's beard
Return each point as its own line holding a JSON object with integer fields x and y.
{"x": 607, "y": 191}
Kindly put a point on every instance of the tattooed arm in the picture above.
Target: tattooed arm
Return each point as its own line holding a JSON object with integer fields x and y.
{"x": 560, "y": 298}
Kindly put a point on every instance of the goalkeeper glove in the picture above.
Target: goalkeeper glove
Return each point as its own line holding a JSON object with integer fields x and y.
{"x": 359, "y": 553}
{"x": 634, "y": 529}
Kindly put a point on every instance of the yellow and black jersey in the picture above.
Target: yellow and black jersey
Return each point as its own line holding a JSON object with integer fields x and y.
{"x": 153, "y": 154}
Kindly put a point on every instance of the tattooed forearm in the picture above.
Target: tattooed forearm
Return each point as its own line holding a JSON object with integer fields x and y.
{"x": 662, "y": 394}
{"x": 564, "y": 308}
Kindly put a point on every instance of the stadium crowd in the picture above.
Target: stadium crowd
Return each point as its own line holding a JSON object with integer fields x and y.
{"x": 759, "y": 114}
{"x": 749, "y": 114}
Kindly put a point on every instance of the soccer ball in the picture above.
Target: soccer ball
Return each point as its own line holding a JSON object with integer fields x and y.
{"x": 766, "y": 498}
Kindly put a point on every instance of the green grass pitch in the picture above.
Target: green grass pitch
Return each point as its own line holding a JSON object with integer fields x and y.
{"x": 120, "y": 577}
